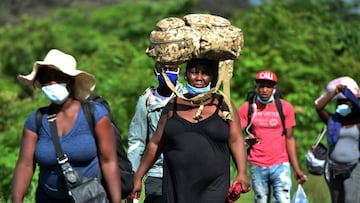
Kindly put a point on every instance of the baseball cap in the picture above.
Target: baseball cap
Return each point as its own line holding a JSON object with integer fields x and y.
{"x": 266, "y": 75}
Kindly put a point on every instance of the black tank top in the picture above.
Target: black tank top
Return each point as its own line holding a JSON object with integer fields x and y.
{"x": 196, "y": 159}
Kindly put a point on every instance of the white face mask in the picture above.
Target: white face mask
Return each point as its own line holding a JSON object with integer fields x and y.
{"x": 343, "y": 109}
{"x": 57, "y": 93}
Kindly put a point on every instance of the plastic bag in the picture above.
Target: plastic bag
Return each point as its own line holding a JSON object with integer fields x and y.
{"x": 300, "y": 196}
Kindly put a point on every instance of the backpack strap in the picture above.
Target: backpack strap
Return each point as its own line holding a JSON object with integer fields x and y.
{"x": 251, "y": 101}
{"x": 148, "y": 101}
{"x": 38, "y": 117}
{"x": 152, "y": 90}
{"x": 88, "y": 108}
{"x": 281, "y": 113}
{"x": 147, "y": 104}
{"x": 278, "y": 106}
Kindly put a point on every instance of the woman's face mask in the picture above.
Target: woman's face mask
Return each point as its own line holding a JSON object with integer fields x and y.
{"x": 57, "y": 93}
{"x": 196, "y": 90}
{"x": 343, "y": 109}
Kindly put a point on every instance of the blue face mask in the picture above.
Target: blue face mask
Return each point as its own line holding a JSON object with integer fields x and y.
{"x": 343, "y": 109}
{"x": 57, "y": 93}
{"x": 173, "y": 77}
{"x": 195, "y": 90}
{"x": 267, "y": 101}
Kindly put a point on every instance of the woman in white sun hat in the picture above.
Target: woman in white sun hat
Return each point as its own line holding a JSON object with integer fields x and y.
{"x": 65, "y": 87}
{"x": 342, "y": 172}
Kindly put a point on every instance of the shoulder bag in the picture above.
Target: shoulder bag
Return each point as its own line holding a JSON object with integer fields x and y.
{"x": 317, "y": 155}
{"x": 81, "y": 189}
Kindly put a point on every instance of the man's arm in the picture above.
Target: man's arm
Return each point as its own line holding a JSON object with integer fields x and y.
{"x": 292, "y": 152}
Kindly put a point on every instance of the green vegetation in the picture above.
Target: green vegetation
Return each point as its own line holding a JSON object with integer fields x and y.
{"x": 307, "y": 43}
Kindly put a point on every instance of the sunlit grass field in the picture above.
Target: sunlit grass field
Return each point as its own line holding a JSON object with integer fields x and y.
{"x": 315, "y": 189}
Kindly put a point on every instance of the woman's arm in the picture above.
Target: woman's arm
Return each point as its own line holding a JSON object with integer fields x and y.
{"x": 323, "y": 100}
{"x": 237, "y": 147}
{"x": 106, "y": 144}
{"x": 25, "y": 166}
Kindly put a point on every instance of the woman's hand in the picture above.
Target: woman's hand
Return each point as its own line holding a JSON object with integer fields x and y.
{"x": 339, "y": 88}
{"x": 137, "y": 188}
{"x": 244, "y": 181}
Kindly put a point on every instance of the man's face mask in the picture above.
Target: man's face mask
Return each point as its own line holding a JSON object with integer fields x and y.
{"x": 343, "y": 109}
{"x": 267, "y": 101}
{"x": 57, "y": 93}
{"x": 172, "y": 75}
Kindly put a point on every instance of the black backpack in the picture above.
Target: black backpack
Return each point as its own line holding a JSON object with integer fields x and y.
{"x": 251, "y": 97}
{"x": 126, "y": 172}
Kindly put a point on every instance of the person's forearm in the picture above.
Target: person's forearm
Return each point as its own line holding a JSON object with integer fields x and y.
{"x": 239, "y": 156}
{"x": 323, "y": 100}
{"x": 21, "y": 181}
{"x": 292, "y": 152}
{"x": 113, "y": 181}
{"x": 148, "y": 160}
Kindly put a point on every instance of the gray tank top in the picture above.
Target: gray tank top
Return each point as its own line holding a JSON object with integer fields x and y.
{"x": 346, "y": 150}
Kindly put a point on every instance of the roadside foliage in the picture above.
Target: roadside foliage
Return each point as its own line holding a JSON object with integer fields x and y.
{"x": 307, "y": 43}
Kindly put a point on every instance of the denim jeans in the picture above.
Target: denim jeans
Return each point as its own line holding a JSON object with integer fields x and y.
{"x": 345, "y": 190}
{"x": 276, "y": 178}
{"x": 153, "y": 190}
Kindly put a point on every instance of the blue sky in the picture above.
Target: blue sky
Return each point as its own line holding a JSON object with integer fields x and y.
{"x": 255, "y": 2}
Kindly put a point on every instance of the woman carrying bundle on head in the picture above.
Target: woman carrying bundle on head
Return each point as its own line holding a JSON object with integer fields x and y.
{"x": 197, "y": 142}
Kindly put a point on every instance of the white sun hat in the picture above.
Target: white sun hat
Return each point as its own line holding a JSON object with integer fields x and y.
{"x": 84, "y": 83}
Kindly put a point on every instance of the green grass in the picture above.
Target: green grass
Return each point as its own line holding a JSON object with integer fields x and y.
{"x": 315, "y": 189}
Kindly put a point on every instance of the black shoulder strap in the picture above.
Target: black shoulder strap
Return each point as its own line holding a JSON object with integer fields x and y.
{"x": 39, "y": 113}
{"x": 222, "y": 105}
{"x": 61, "y": 157}
{"x": 279, "y": 108}
{"x": 88, "y": 108}
{"x": 99, "y": 99}
{"x": 281, "y": 113}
